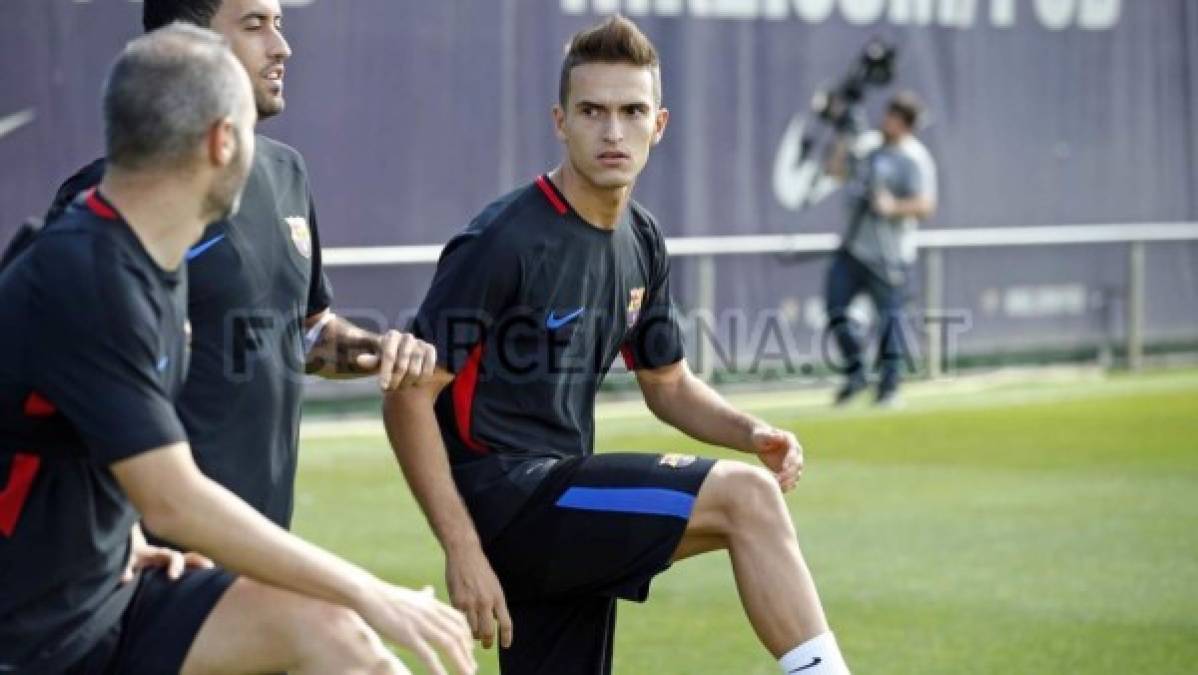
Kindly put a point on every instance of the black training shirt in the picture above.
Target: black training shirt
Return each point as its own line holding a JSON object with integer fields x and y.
{"x": 254, "y": 279}
{"x": 92, "y": 355}
{"x": 529, "y": 307}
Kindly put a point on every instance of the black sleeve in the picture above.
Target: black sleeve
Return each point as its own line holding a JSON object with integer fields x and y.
{"x": 656, "y": 338}
{"x": 96, "y": 352}
{"x": 84, "y": 179}
{"x": 476, "y": 280}
{"x": 22, "y": 240}
{"x": 320, "y": 291}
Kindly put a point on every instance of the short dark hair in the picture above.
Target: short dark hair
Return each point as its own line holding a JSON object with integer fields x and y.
{"x": 163, "y": 94}
{"x": 616, "y": 40}
{"x": 158, "y": 13}
{"x": 907, "y": 106}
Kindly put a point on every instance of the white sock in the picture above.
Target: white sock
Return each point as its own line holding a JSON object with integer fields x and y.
{"x": 818, "y": 656}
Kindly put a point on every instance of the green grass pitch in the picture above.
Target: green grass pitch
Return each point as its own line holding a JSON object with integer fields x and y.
{"x": 1033, "y": 527}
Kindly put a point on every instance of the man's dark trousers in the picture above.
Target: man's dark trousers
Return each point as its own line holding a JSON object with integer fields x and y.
{"x": 848, "y": 277}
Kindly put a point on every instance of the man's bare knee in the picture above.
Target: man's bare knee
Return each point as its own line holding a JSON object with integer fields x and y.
{"x": 755, "y": 498}
{"x": 259, "y": 628}
{"x": 737, "y": 497}
{"x": 336, "y": 635}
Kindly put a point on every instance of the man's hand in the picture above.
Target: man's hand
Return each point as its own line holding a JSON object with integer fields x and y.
{"x": 143, "y": 556}
{"x": 401, "y": 361}
{"x": 474, "y": 589}
{"x": 781, "y": 453}
{"x": 418, "y": 622}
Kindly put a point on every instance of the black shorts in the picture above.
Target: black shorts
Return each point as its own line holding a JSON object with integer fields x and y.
{"x": 598, "y": 528}
{"x": 157, "y": 629}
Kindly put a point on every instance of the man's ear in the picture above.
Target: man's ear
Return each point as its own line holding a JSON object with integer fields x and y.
{"x": 663, "y": 118}
{"x": 559, "y": 122}
{"x": 222, "y": 142}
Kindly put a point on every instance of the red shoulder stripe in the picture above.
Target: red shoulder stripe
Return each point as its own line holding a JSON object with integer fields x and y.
{"x": 550, "y": 192}
{"x": 98, "y": 206}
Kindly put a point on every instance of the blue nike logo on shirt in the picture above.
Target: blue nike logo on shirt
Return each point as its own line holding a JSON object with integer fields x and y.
{"x": 553, "y": 322}
{"x": 195, "y": 251}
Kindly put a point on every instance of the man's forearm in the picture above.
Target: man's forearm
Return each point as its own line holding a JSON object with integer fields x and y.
{"x": 473, "y": 586}
{"x": 913, "y": 207}
{"x": 339, "y": 343}
{"x": 416, "y": 441}
{"x": 202, "y": 516}
{"x": 699, "y": 411}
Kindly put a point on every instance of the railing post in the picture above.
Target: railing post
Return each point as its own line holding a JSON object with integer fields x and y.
{"x": 933, "y": 281}
{"x": 1135, "y": 305}
{"x": 705, "y": 297}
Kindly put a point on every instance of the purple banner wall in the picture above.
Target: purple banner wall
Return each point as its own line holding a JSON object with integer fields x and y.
{"x": 412, "y": 115}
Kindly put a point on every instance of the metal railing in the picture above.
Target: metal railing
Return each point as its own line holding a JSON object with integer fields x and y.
{"x": 932, "y": 243}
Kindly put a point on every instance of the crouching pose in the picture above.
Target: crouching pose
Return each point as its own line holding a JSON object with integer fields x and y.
{"x": 93, "y": 356}
{"x": 528, "y": 308}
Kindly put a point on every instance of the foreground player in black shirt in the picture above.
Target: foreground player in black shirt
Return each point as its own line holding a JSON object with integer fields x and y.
{"x": 94, "y": 352}
{"x": 258, "y": 291}
{"x": 528, "y": 308}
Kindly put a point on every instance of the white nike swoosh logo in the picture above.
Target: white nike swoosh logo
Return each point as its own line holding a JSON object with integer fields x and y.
{"x": 15, "y": 121}
{"x": 799, "y": 181}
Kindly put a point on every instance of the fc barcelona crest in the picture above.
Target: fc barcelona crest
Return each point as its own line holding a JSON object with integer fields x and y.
{"x": 635, "y": 297}
{"x": 300, "y": 235}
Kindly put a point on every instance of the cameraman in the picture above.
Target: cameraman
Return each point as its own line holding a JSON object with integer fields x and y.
{"x": 890, "y": 187}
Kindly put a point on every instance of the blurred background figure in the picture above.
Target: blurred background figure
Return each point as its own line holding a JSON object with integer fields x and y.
{"x": 890, "y": 188}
